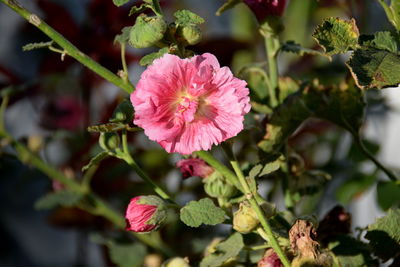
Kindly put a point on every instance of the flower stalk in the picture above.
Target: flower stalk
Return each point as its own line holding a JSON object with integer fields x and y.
{"x": 260, "y": 214}
{"x": 126, "y": 156}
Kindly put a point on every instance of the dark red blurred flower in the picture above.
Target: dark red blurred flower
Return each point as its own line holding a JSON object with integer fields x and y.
{"x": 194, "y": 167}
{"x": 64, "y": 113}
{"x": 264, "y": 8}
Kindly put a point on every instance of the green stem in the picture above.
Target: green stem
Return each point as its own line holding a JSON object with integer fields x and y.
{"x": 100, "y": 207}
{"x": 69, "y": 48}
{"x": 125, "y": 76}
{"x": 131, "y": 162}
{"x": 361, "y": 145}
{"x": 272, "y": 46}
{"x": 260, "y": 214}
{"x": 225, "y": 171}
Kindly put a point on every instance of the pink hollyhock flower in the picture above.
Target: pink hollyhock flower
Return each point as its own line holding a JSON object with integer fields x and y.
{"x": 145, "y": 214}
{"x": 194, "y": 167}
{"x": 188, "y": 105}
{"x": 270, "y": 259}
{"x": 264, "y": 8}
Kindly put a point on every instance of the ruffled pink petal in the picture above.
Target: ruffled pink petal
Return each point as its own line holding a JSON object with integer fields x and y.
{"x": 188, "y": 105}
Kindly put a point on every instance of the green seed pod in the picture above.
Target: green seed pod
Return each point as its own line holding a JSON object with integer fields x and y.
{"x": 245, "y": 218}
{"x": 191, "y": 33}
{"x": 123, "y": 112}
{"x": 147, "y": 31}
{"x": 216, "y": 186}
{"x": 176, "y": 262}
{"x": 109, "y": 141}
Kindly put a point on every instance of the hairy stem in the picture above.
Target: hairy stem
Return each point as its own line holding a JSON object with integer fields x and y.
{"x": 131, "y": 162}
{"x": 272, "y": 46}
{"x": 260, "y": 214}
{"x": 69, "y": 48}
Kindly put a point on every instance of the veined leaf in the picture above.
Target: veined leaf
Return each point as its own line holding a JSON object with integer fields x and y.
{"x": 148, "y": 59}
{"x": 384, "y": 235}
{"x": 224, "y": 251}
{"x": 186, "y": 17}
{"x": 375, "y": 68}
{"x": 200, "y": 212}
{"x": 337, "y": 36}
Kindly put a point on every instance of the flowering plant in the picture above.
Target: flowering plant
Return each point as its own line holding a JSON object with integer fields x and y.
{"x": 263, "y": 122}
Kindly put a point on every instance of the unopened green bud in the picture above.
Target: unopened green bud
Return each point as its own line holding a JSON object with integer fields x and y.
{"x": 190, "y": 33}
{"x": 176, "y": 262}
{"x": 147, "y": 31}
{"x": 216, "y": 186}
{"x": 109, "y": 141}
{"x": 123, "y": 112}
{"x": 245, "y": 218}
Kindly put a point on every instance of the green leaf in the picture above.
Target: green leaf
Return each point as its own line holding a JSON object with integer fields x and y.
{"x": 392, "y": 12}
{"x": 95, "y": 160}
{"x": 375, "y": 68}
{"x": 124, "y": 36}
{"x": 147, "y": 31}
{"x": 33, "y": 46}
{"x": 186, "y": 17}
{"x": 225, "y": 250}
{"x": 120, "y": 2}
{"x": 286, "y": 118}
{"x": 256, "y": 79}
{"x": 292, "y": 47}
{"x": 138, "y": 9}
{"x": 200, "y": 212}
{"x": 226, "y": 6}
{"x": 388, "y": 194}
{"x": 127, "y": 255}
{"x": 106, "y": 128}
{"x": 336, "y": 35}
{"x": 60, "y": 198}
{"x": 354, "y": 187}
{"x": 148, "y": 59}
{"x": 342, "y": 105}
{"x": 273, "y": 163}
{"x": 380, "y": 40}
{"x": 351, "y": 252}
{"x": 260, "y": 108}
{"x": 384, "y": 235}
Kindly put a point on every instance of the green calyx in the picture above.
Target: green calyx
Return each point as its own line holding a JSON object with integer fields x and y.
{"x": 245, "y": 218}
{"x": 147, "y": 31}
{"x": 189, "y": 34}
{"x": 109, "y": 141}
{"x": 216, "y": 186}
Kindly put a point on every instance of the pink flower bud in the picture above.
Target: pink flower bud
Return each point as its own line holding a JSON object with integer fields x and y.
{"x": 194, "y": 167}
{"x": 270, "y": 259}
{"x": 264, "y": 8}
{"x": 145, "y": 214}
